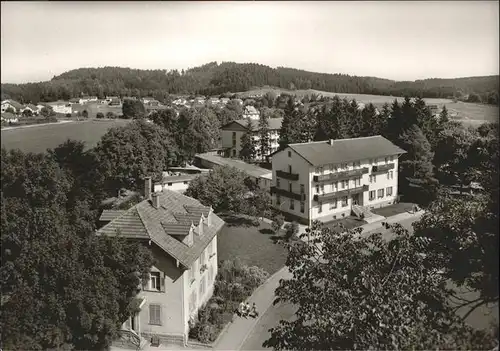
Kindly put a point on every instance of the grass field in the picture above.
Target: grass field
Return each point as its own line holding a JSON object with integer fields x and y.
{"x": 469, "y": 113}
{"x": 253, "y": 245}
{"x": 40, "y": 138}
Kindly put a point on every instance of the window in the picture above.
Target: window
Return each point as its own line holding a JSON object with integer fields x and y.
{"x": 344, "y": 201}
{"x": 289, "y": 154}
{"x": 289, "y": 169}
{"x": 386, "y": 160}
{"x": 342, "y": 184}
{"x": 202, "y": 287}
{"x": 320, "y": 207}
{"x": 192, "y": 301}
{"x": 317, "y": 188}
{"x": 211, "y": 274}
{"x": 391, "y": 174}
{"x": 388, "y": 175}
{"x": 333, "y": 204}
{"x": 345, "y": 184}
{"x": 278, "y": 183}
{"x": 380, "y": 193}
{"x": 234, "y": 135}
{"x": 373, "y": 178}
{"x": 292, "y": 204}
{"x": 302, "y": 188}
{"x": 372, "y": 195}
{"x": 234, "y": 144}
{"x": 290, "y": 187}
{"x": 334, "y": 186}
{"x": 302, "y": 206}
{"x": 155, "y": 314}
{"x": 169, "y": 184}
{"x": 322, "y": 188}
{"x": 278, "y": 199}
{"x": 389, "y": 191}
{"x": 154, "y": 281}
{"x": 357, "y": 182}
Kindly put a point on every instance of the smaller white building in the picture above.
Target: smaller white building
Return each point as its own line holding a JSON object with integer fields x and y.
{"x": 251, "y": 112}
{"x": 63, "y": 107}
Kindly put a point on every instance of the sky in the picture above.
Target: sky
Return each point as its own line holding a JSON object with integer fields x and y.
{"x": 395, "y": 40}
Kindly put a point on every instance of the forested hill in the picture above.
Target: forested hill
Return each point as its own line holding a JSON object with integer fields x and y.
{"x": 215, "y": 79}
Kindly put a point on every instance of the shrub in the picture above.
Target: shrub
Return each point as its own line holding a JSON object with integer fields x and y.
{"x": 99, "y": 115}
{"x": 278, "y": 222}
{"x": 292, "y": 229}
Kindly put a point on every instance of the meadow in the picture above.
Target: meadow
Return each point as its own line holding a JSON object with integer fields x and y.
{"x": 40, "y": 138}
{"x": 468, "y": 113}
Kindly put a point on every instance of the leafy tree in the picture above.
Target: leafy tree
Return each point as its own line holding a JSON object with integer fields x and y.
{"x": 110, "y": 115}
{"x": 167, "y": 119}
{"x": 85, "y": 114}
{"x": 127, "y": 154}
{"x": 464, "y": 241}
{"x": 417, "y": 180}
{"x": 99, "y": 115}
{"x": 198, "y": 131}
{"x": 247, "y": 151}
{"x": 223, "y": 188}
{"x": 258, "y": 204}
{"x": 133, "y": 109}
{"x": 27, "y": 113}
{"x": 270, "y": 96}
{"x": 61, "y": 288}
{"x": 474, "y": 98}
{"x": 362, "y": 292}
{"x": 47, "y": 111}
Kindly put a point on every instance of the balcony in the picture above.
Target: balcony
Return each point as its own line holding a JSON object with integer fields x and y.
{"x": 289, "y": 194}
{"x": 337, "y": 194}
{"x": 382, "y": 168}
{"x": 341, "y": 175}
{"x": 286, "y": 175}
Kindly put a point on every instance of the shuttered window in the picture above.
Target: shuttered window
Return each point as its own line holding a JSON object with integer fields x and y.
{"x": 155, "y": 314}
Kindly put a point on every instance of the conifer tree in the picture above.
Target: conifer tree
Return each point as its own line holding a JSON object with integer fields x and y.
{"x": 265, "y": 142}
{"x": 370, "y": 121}
{"x": 354, "y": 120}
{"x": 247, "y": 151}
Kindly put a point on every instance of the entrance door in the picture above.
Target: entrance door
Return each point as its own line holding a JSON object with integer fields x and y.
{"x": 355, "y": 199}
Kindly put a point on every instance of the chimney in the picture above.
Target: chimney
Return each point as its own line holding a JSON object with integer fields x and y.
{"x": 147, "y": 188}
{"x": 155, "y": 200}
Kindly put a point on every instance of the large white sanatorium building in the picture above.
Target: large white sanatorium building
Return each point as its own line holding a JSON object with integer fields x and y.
{"x": 322, "y": 180}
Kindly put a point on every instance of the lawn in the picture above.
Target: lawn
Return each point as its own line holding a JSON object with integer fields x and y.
{"x": 39, "y": 138}
{"x": 253, "y": 245}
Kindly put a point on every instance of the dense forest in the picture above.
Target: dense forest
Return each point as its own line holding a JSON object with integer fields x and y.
{"x": 214, "y": 79}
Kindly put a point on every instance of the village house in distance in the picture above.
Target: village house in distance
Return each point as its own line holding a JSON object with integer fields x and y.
{"x": 327, "y": 180}
{"x": 232, "y": 132}
{"x": 182, "y": 235}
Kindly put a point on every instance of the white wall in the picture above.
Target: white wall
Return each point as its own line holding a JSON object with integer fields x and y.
{"x": 175, "y": 186}
{"x": 281, "y": 161}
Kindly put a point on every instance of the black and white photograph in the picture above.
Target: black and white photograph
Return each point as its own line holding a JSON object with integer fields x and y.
{"x": 249, "y": 175}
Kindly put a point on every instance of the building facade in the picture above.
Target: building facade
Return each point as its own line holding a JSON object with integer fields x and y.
{"x": 324, "y": 180}
{"x": 232, "y": 132}
{"x": 182, "y": 235}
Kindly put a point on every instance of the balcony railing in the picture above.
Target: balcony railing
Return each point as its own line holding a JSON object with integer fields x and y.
{"x": 289, "y": 194}
{"x": 341, "y": 175}
{"x": 337, "y": 194}
{"x": 382, "y": 168}
{"x": 286, "y": 175}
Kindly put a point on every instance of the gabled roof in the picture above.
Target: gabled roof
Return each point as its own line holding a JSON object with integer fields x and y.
{"x": 345, "y": 150}
{"x": 14, "y": 104}
{"x": 274, "y": 124}
{"x": 109, "y": 215}
{"x": 160, "y": 225}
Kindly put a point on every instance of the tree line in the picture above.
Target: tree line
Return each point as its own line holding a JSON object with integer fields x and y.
{"x": 216, "y": 79}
